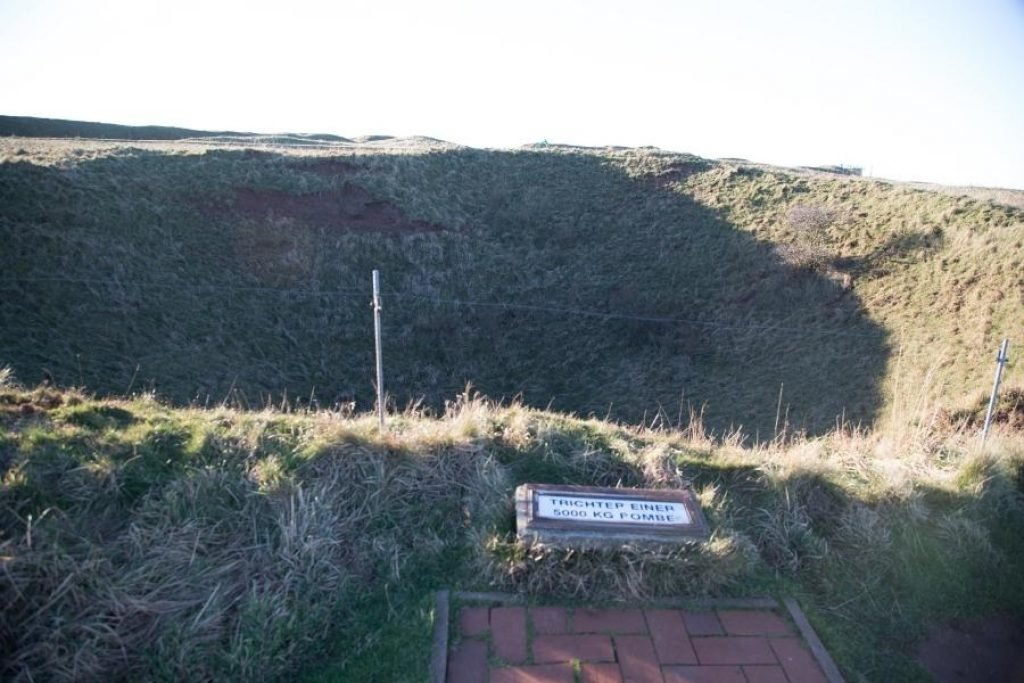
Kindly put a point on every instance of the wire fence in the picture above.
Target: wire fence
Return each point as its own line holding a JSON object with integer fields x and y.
{"x": 746, "y": 325}
{"x": 189, "y": 339}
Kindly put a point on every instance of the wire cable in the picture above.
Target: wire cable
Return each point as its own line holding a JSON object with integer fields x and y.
{"x": 505, "y": 305}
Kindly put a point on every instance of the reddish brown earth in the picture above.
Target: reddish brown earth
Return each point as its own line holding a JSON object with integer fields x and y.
{"x": 985, "y": 650}
{"x": 349, "y": 208}
{"x": 1011, "y": 409}
{"x": 277, "y": 233}
{"x": 1009, "y": 412}
{"x": 327, "y": 167}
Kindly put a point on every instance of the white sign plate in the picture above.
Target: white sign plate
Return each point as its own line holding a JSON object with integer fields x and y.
{"x": 574, "y": 508}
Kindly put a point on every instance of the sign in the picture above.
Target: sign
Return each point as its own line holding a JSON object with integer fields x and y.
{"x": 611, "y": 510}
{"x": 592, "y": 516}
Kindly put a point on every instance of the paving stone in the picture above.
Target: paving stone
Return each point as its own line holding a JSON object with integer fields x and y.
{"x": 628, "y": 646}
{"x": 733, "y": 650}
{"x": 669, "y": 635}
{"x": 549, "y": 620}
{"x": 563, "y": 648}
{"x": 702, "y": 624}
{"x": 704, "y": 674}
{"x": 540, "y": 673}
{"x": 637, "y": 658}
{"x": 601, "y": 673}
{"x": 797, "y": 660}
{"x": 608, "y": 621}
{"x": 750, "y": 622}
{"x": 467, "y": 662}
{"x": 508, "y": 629}
{"x": 765, "y": 674}
{"x": 474, "y": 621}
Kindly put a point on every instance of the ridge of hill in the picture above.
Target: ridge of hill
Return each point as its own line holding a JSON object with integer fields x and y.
{"x": 36, "y": 127}
{"x": 633, "y": 283}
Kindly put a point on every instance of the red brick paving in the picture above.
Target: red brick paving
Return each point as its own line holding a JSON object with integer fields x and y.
{"x": 745, "y": 622}
{"x": 637, "y": 659}
{"x": 508, "y": 630}
{"x": 467, "y": 662}
{"x": 704, "y": 674}
{"x": 628, "y": 646}
{"x": 549, "y": 619}
{"x": 702, "y": 624}
{"x": 474, "y": 621}
{"x": 539, "y": 673}
{"x": 608, "y": 621}
{"x": 733, "y": 650}
{"x": 765, "y": 674}
{"x": 601, "y": 673}
{"x": 797, "y": 660}
{"x": 668, "y": 631}
{"x": 565, "y": 648}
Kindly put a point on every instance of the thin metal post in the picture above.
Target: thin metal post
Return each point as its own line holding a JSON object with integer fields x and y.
{"x": 778, "y": 410}
{"x": 376, "y": 338}
{"x": 1001, "y": 359}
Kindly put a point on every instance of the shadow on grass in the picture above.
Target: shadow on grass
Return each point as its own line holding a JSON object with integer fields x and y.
{"x": 198, "y": 304}
{"x": 897, "y": 251}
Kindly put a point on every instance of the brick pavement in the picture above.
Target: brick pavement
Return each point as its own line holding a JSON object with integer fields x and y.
{"x": 566, "y": 645}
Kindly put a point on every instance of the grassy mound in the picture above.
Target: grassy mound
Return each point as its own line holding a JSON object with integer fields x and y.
{"x": 143, "y": 541}
{"x": 34, "y": 127}
{"x": 628, "y": 283}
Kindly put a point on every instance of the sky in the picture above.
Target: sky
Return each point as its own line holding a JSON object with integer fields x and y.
{"x": 908, "y": 90}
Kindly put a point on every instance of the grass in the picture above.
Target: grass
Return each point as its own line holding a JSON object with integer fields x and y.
{"x": 29, "y": 126}
{"x": 188, "y": 544}
{"x": 140, "y": 540}
{"x": 195, "y": 510}
{"x": 169, "y": 283}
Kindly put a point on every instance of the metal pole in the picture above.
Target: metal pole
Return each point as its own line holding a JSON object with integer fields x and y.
{"x": 1001, "y": 359}
{"x": 376, "y": 338}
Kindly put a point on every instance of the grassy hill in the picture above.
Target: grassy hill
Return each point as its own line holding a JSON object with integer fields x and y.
{"x": 635, "y": 284}
{"x": 34, "y": 127}
{"x": 139, "y": 541}
{"x": 205, "y": 528}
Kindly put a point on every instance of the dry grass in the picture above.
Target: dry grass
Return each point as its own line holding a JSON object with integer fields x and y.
{"x": 141, "y": 541}
{"x": 998, "y": 195}
{"x": 626, "y": 575}
{"x": 234, "y": 566}
{"x": 172, "y": 290}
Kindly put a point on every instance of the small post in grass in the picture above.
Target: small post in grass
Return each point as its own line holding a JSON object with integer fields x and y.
{"x": 1001, "y": 358}
{"x": 376, "y": 338}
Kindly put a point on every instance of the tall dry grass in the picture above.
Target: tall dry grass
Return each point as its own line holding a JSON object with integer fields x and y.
{"x": 255, "y": 550}
{"x": 232, "y": 568}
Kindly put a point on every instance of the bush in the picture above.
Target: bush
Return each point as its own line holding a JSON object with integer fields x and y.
{"x": 809, "y": 249}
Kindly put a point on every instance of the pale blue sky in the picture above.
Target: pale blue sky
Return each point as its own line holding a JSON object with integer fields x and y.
{"x": 928, "y": 90}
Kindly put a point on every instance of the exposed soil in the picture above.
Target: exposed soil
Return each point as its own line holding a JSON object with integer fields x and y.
{"x": 983, "y": 650}
{"x": 41, "y": 400}
{"x": 347, "y": 209}
{"x": 280, "y": 235}
{"x": 326, "y": 167}
{"x": 1009, "y": 411}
